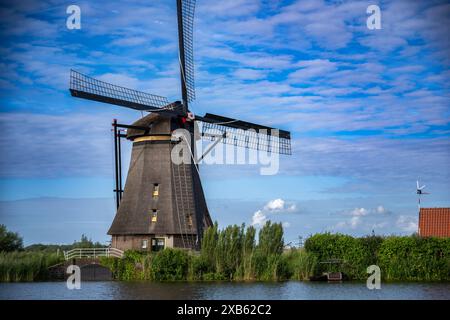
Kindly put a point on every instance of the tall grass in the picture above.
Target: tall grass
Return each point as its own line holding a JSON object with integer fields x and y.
{"x": 25, "y": 266}
{"x": 232, "y": 254}
{"x": 228, "y": 254}
{"x": 301, "y": 264}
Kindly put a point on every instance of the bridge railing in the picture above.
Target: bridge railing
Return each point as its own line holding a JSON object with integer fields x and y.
{"x": 92, "y": 253}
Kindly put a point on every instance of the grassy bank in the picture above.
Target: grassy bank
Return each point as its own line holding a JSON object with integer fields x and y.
{"x": 31, "y": 263}
{"x": 232, "y": 254}
{"x": 228, "y": 254}
{"x": 26, "y": 266}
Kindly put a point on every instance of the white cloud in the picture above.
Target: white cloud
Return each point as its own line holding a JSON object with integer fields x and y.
{"x": 359, "y": 212}
{"x": 380, "y": 225}
{"x": 130, "y": 41}
{"x": 228, "y": 8}
{"x": 273, "y": 207}
{"x": 311, "y": 69}
{"x": 279, "y": 205}
{"x": 407, "y": 223}
{"x": 120, "y": 80}
{"x": 352, "y": 223}
{"x": 355, "y": 221}
{"x": 292, "y": 207}
{"x": 259, "y": 219}
{"x": 365, "y": 218}
{"x": 250, "y": 74}
{"x": 381, "y": 209}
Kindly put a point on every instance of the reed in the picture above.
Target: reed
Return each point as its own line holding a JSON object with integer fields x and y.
{"x": 26, "y": 266}
{"x": 301, "y": 264}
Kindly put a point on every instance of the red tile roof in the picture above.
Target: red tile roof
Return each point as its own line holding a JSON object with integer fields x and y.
{"x": 434, "y": 222}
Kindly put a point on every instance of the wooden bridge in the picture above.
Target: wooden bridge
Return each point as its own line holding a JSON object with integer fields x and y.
{"x": 88, "y": 261}
{"x": 92, "y": 253}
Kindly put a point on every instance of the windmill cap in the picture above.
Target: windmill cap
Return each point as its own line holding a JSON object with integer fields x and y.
{"x": 149, "y": 121}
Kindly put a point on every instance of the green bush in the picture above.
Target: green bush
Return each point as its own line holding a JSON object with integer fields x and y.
{"x": 199, "y": 268}
{"x": 350, "y": 254}
{"x": 371, "y": 245}
{"x": 399, "y": 258}
{"x": 415, "y": 258}
{"x": 169, "y": 264}
{"x": 135, "y": 265}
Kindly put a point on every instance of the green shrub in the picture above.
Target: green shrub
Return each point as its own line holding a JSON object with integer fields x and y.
{"x": 415, "y": 258}
{"x": 399, "y": 258}
{"x": 169, "y": 264}
{"x": 350, "y": 252}
{"x": 199, "y": 267}
{"x": 133, "y": 266}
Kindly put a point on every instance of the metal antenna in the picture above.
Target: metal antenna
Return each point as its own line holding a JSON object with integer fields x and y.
{"x": 419, "y": 191}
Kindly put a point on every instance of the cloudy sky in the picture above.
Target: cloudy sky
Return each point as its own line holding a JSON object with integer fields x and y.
{"x": 368, "y": 110}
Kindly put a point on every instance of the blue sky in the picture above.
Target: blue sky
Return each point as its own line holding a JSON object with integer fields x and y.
{"x": 368, "y": 109}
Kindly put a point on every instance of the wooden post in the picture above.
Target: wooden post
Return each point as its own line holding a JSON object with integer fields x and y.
{"x": 116, "y": 163}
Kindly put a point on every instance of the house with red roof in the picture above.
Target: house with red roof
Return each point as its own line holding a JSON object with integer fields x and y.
{"x": 434, "y": 222}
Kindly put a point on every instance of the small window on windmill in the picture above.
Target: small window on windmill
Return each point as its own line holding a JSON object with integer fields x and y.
{"x": 144, "y": 244}
{"x": 189, "y": 220}
{"x": 155, "y": 190}
{"x": 154, "y": 215}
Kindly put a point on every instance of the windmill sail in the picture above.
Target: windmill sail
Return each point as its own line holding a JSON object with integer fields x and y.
{"x": 185, "y": 11}
{"x": 82, "y": 86}
{"x": 245, "y": 134}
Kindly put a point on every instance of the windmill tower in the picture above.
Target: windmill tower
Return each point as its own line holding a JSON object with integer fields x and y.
{"x": 163, "y": 204}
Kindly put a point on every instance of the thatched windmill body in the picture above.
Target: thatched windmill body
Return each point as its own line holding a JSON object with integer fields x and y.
{"x": 163, "y": 204}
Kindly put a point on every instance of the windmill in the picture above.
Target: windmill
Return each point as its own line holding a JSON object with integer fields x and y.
{"x": 163, "y": 204}
{"x": 419, "y": 192}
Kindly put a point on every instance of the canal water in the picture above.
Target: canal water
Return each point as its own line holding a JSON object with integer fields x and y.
{"x": 291, "y": 290}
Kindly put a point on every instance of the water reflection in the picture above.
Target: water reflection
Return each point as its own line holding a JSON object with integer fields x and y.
{"x": 291, "y": 290}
